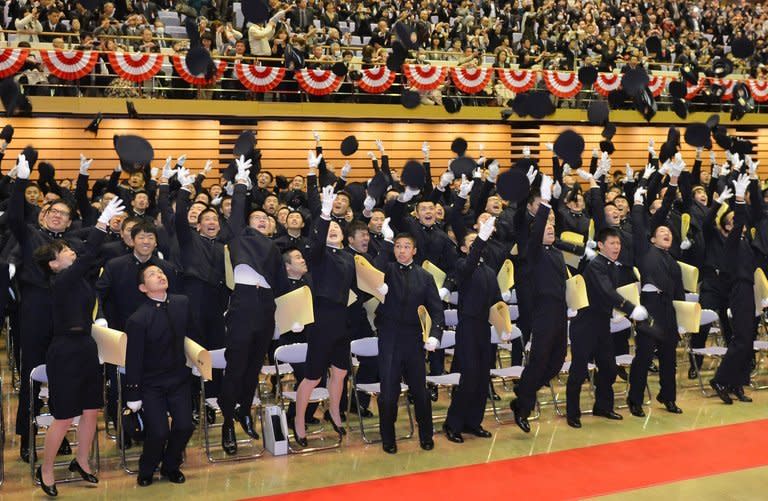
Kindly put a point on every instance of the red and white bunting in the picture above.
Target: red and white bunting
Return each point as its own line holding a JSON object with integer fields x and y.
{"x": 471, "y": 80}
{"x": 376, "y": 80}
{"x": 425, "y": 77}
{"x": 69, "y": 64}
{"x": 759, "y": 90}
{"x": 692, "y": 90}
{"x": 562, "y": 84}
{"x": 318, "y": 82}
{"x": 727, "y": 85}
{"x": 518, "y": 81}
{"x": 180, "y": 64}
{"x": 607, "y": 83}
{"x": 136, "y": 66}
{"x": 11, "y": 61}
{"x": 259, "y": 78}
{"x": 657, "y": 85}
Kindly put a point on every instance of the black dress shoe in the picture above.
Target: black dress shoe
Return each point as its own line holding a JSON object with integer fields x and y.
{"x": 635, "y": 409}
{"x": 607, "y": 414}
{"x": 246, "y": 423}
{"x": 738, "y": 391}
{"x": 210, "y": 415}
{"x": 692, "y": 373}
{"x": 339, "y": 429}
{"x": 520, "y": 420}
{"x": 302, "y": 441}
{"x": 671, "y": 406}
{"x": 143, "y": 481}
{"x": 228, "y": 438}
{"x": 64, "y": 449}
{"x": 75, "y": 467}
{"x": 432, "y": 392}
{"x": 721, "y": 391}
{"x": 175, "y": 477}
{"x": 427, "y": 444}
{"x": 389, "y": 448}
{"x": 574, "y": 422}
{"x": 453, "y": 436}
{"x": 50, "y": 490}
{"x": 479, "y": 432}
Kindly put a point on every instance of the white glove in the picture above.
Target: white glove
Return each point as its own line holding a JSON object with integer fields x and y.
{"x": 328, "y": 198}
{"x": 153, "y": 172}
{"x": 685, "y": 244}
{"x": 12, "y": 272}
{"x": 386, "y": 231}
{"x": 408, "y": 194}
{"x": 493, "y": 171}
{"x": 763, "y": 302}
{"x": 506, "y": 296}
{"x": 591, "y": 244}
{"x": 753, "y": 167}
{"x": 316, "y": 135}
{"x": 297, "y": 327}
{"x": 648, "y": 172}
{"x": 101, "y": 322}
{"x": 85, "y": 164}
{"x": 207, "y": 168}
{"x": 486, "y": 229}
{"x": 725, "y": 169}
{"x": 698, "y": 152}
{"x": 186, "y": 179}
{"x": 531, "y": 174}
{"x": 724, "y": 195}
{"x": 478, "y": 173}
{"x": 736, "y": 162}
{"x": 567, "y": 171}
{"x": 382, "y": 289}
{"x": 628, "y": 172}
{"x": 740, "y": 185}
{"x": 372, "y": 156}
{"x": 446, "y": 178}
{"x": 443, "y": 293}
{"x": 571, "y": 313}
{"x": 466, "y": 187}
{"x": 505, "y": 336}
{"x": 243, "y": 169}
{"x": 425, "y": 150}
{"x": 595, "y": 153}
{"x": 22, "y": 167}
{"x": 601, "y": 171}
{"x": 586, "y": 176}
{"x": 167, "y": 171}
{"x": 639, "y": 313}
{"x": 526, "y": 152}
{"x": 590, "y": 254}
{"x": 681, "y": 330}
{"x": 431, "y": 344}
{"x": 13, "y": 172}
{"x": 229, "y": 188}
{"x": 313, "y": 159}
{"x": 546, "y": 188}
{"x": 217, "y": 201}
{"x": 557, "y": 190}
{"x": 135, "y": 406}
{"x": 715, "y": 171}
{"x": 664, "y": 169}
{"x": 651, "y": 150}
{"x": 640, "y": 196}
{"x": 113, "y": 208}
{"x": 369, "y": 203}
{"x": 380, "y": 146}
{"x": 712, "y": 156}
{"x": 676, "y": 167}
{"x": 345, "y": 170}
{"x": 118, "y": 168}
{"x": 180, "y": 161}
{"x": 549, "y": 146}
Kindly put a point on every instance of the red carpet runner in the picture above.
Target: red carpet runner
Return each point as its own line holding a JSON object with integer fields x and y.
{"x": 574, "y": 473}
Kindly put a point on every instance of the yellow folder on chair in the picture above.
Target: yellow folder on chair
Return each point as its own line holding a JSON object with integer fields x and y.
{"x": 438, "y": 274}
{"x": 506, "y": 276}
{"x": 198, "y": 357}
{"x": 369, "y": 279}
{"x": 630, "y": 292}
{"x": 576, "y": 293}
{"x": 294, "y": 307}
{"x": 688, "y": 315}
{"x": 426, "y": 322}
{"x": 690, "y": 277}
{"x": 112, "y": 344}
{"x": 498, "y": 317}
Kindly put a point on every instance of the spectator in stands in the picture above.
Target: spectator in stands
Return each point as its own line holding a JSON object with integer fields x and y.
{"x": 86, "y": 17}
{"x": 147, "y": 42}
{"x": 303, "y": 16}
{"x": 226, "y": 38}
{"x": 259, "y": 36}
{"x": 381, "y": 36}
{"x": 107, "y": 26}
{"x": 330, "y": 18}
{"x": 147, "y": 9}
{"x": 29, "y": 25}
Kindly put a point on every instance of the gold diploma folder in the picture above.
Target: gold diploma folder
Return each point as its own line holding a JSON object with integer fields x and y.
{"x": 296, "y": 306}
{"x": 426, "y": 322}
{"x": 630, "y": 292}
{"x": 437, "y": 273}
{"x": 506, "y": 276}
{"x": 199, "y": 358}
{"x": 369, "y": 279}
{"x": 112, "y": 344}
{"x": 498, "y": 317}
{"x": 688, "y": 315}
{"x": 576, "y": 293}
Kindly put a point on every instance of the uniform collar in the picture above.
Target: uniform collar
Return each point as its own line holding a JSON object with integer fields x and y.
{"x": 408, "y": 266}
{"x": 52, "y": 234}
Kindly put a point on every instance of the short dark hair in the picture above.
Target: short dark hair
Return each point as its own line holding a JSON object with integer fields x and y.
{"x": 144, "y": 226}
{"x": 142, "y": 268}
{"x": 355, "y": 226}
{"x": 207, "y": 209}
{"x": 407, "y": 236}
{"x": 606, "y": 233}
{"x": 287, "y": 254}
{"x": 47, "y": 252}
{"x": 130, "y": 220}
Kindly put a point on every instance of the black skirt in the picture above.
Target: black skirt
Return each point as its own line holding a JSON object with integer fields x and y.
{"x": 74, "y": 375}
{"x": 328, "y": 339}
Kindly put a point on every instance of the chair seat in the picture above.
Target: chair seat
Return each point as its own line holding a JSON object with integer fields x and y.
{"x": 445, "y": 379}
{"x": 450, "y": 351}
{"x": 318, "y": 394}
{"x": 45, "y": 420}
{"x": 270, "y": 370}
{"x": 760, "y": 346}
{"x": 508, "y": 372}
{"x": 567, "y": 367}
{"x": 624, "y": 360}
{"x": 710, "y": 351}
{"x": 213, "y": 402}
{"x": 375, "y": 388}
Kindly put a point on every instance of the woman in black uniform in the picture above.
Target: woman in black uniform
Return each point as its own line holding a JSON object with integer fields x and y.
{"x": 74, "y": 374}
{"x": 333, "y": 275}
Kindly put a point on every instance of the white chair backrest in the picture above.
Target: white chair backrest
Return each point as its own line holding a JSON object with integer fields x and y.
{"x": 514, "y": 312}
{"x": 218, "y": 361}
{"x": 620, "y": 325}
{"x": 451, "y": 317}
{"x": 39, "y": 374}
{"x": 708, "y": 317}
{"x": 365, "y": 347}
{"x": 692, "y": 297}
{"x": 291, "y": 353}
{"x": 448, "y": 340}
{"x": 495, "y": 339}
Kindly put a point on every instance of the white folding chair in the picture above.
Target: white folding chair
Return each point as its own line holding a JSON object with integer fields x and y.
{"x": 715, "y": 353}
{"x": 44, "y": 420}
{"x": 626, "y": 359}
{"x": 218, "y": 361}
{"x": 297, "y": 354}
{"x": 369, "y": 347}
{"x": 124, "y": 457}
{"x": 505, "y": 374}
{"x": 450, "y": 380}
{"x": 761, "y": 347}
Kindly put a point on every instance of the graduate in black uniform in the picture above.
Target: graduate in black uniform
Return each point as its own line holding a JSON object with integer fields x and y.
{"x": 549, "y": 326}
{"x": 72, "y": 360}
{"x": 293, "y": 238}
{"x": 479, "y": 290}
{"x": 259, "y": 275}
{"x": 157, "y": 376}
{"x": 333, "y": 275}
{"x": 591, "y": 330}
{"x": 401, "y": 348}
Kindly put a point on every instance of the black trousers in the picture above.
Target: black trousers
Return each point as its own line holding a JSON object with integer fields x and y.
{"x": 473, "y": 349}
{"x": 250, "y": 326}
{"x": 208, "y": 304}
{"x": 163, "y": 443}
{"x": 401, "y": 356}
{"x": 36, "y": 325}
{"x": 591, "y": 339}
{"x": 735, "y": 367}
{"x": 549, "y": 344}
{"x": 712, "y": 297}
